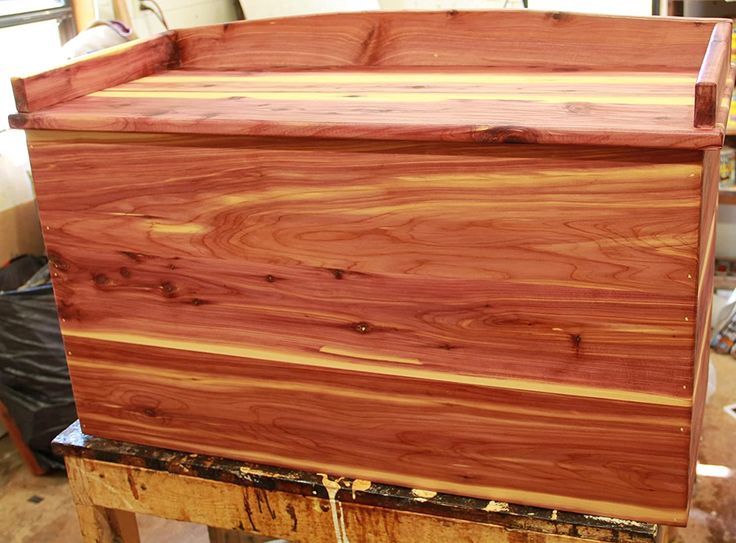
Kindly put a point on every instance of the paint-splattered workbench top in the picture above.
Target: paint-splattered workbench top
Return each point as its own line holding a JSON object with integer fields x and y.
{"x": 272, "y": 501}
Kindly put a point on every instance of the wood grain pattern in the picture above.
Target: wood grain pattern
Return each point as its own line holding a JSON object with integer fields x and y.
{"x": 706, "y": 276}
{"x": 614, "y": 108}
{"x": 713, "y": 76}
{"x": 94, "y": 72}
{"x": 229, "y": 304}
{"x": 512, "y": 39}
{"x": 106, "y": 525}
{"x": 552, "y": 78}
{"x": 724, "y": 115}
{"x": 281, "y": 241}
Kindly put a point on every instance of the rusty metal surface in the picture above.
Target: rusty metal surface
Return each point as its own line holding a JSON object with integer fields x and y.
{"x": 74, "y": 442}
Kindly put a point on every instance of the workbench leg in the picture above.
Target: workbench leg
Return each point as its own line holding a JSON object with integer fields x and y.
{"x": 97, "y": 524}
{"x": 101, "y": 525}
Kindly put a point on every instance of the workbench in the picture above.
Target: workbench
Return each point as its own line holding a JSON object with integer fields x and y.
{"x": 112, "y": 480}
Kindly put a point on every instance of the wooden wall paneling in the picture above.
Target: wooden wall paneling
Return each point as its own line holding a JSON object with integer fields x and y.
{"x": 94, "y": 72}
{"x": 282, "y": 279}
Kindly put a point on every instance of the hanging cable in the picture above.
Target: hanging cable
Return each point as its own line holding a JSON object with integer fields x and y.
{"x": 155, "y": 8}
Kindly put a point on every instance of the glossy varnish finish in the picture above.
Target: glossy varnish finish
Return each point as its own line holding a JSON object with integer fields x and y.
{"x": 610, "y": 59}
{"x": 265, "y": 302}
{"x": 320, "y": 250}
{"x": 452, "y": 104}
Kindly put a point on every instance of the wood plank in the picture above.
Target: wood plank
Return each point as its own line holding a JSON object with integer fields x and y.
{"x": 644, "y": 109}
{"x": 706, "y": 271}
{"x": 723, "y": 115}
{"x": 102, "y": 525}
{"x": 293, "y": 517}
{"x": 398, "y": 287}
{"x": 713, "y": 76}
{"x": 94, "y": 72}
{"x": 487, "y": 443}
{"x": 503, "y": 38}
{"x": 484, "y": 265}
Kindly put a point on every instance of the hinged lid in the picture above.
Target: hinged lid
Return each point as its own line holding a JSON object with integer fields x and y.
{"x": 495, "y": 76}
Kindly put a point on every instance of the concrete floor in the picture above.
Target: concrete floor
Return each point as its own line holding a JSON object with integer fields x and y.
{"x": 713, "y": 511}
{"x": 25, "y": 519}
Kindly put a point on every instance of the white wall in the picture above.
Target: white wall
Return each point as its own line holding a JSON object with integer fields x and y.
{"x": 263, "y": 9}
{"x": 259, "y": 9}
{"x": 450, "y": 4}
{"x": 35, "y": 47}
{"x": 178, "y": 13}
{"x": 608, "y": 7}
{"x": 726, "y": 232}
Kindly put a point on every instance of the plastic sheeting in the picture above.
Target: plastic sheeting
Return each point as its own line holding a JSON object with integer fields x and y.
{"x": 34, "y": 380}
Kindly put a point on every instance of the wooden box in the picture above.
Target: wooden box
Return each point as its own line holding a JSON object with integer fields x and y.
{"x": 463, "y": 252}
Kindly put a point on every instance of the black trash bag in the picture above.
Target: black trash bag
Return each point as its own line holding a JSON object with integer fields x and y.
{"x": 19, "y": 270}
{"x": 34, "y": 379}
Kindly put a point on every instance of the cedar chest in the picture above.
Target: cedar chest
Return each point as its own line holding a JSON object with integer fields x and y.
{"x": 464, "y": 252}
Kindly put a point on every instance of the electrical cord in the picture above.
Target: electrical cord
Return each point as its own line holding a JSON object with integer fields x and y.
{"x": 155, "y": 8}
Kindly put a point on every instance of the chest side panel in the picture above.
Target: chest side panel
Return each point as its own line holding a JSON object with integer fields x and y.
{"x": 420, "y": 296}
{"x": 512, "y": 262}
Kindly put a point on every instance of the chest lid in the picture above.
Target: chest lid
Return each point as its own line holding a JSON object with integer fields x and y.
{"x": 487, "y": 77}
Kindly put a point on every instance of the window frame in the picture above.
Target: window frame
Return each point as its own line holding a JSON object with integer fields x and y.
{"x": 64, "y": 14}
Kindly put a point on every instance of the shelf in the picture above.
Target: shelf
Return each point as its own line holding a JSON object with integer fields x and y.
{"x": 724, "y": 281}
{"x": 727, "y": 196}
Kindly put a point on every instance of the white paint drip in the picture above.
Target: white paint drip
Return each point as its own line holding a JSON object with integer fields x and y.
{"x": 496, "y": 507}
{"x": 360, "y": 485}
{"x": 616, "y": 521}
{"x": 338, "y": 518}
{"x": 423, "y": 495}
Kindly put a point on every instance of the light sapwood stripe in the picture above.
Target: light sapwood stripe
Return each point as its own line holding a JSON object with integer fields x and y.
{"x": 562, "y": 502}
{"x": 413, "y": 88}
{"x": 223, "y": 383}
{"x": 387, "y": 78}
{"x": 315, "y": 360}
{"x": 400, "y": 97}
{"x": 709, "y": 254}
